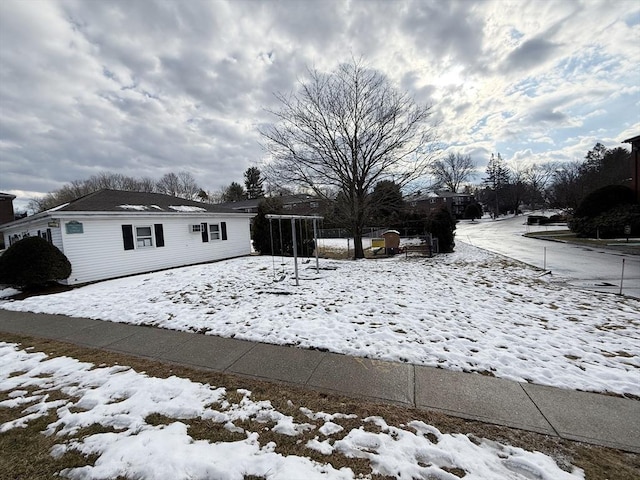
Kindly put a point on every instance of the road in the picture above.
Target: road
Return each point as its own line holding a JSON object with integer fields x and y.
{"x": 592, "y": 268}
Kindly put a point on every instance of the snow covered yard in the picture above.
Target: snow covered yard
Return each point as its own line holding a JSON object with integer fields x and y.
{"x": 137, "y": 426}
{"x": 470, "y": 310}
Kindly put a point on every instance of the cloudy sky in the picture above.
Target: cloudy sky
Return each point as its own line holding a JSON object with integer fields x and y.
{"x": 147, "y": 87}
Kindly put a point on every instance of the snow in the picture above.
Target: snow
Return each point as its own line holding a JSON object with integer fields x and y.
{"x": 139, "y": 208}
{"x": 8, "y": 292}
{"x": 55, "y": 209}
{"x": 468, "y": 311}
{"x": 121, "y": 398}
{"x": 177, "y": 208}
{"x": 187, "y": 208}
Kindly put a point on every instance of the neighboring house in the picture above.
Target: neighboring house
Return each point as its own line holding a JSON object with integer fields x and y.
{"x": 425, "y": 203}
{"x": 635, "y": 164}
{"x": 113, "y": 233}
{"x": 6, "y": 212}
{"x": 6, "y": 208}
{"x": 292, "y": 204}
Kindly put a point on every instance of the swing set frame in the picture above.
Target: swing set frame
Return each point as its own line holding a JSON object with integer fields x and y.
{"x": 293, "y": 219}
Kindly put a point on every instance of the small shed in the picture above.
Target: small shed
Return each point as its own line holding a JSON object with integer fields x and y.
{"x": 391, "y": 241}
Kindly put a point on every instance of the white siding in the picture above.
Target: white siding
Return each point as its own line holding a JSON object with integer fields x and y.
{"x": 99, "y": 252}
{"x": 32, "y": 231}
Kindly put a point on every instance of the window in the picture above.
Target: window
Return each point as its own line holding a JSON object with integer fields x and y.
{"x": 144, "y": 237}
{"x": 214, "y": 231}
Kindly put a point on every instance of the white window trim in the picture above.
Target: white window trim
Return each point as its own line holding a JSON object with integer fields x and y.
{"x": 217, "y": 232}
{"x": 138, "y": 237}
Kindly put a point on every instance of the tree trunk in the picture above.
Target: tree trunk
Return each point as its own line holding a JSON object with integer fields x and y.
{"x": 358, "y": 251}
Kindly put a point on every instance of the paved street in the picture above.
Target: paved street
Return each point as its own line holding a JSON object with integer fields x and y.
{"x": 585, "y": 267}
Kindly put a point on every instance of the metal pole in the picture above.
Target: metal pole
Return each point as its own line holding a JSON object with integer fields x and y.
{"x": 622, "y": 276}
{"x": 315, "y": 243}
{"x": 295, "y": 249}
{"x": 545, "y": 259}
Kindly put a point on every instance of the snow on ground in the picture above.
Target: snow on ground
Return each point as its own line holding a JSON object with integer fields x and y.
{"x": 8, "y": 292}
{"x": 467, "y": 311}
{"x": 122, "y": 399}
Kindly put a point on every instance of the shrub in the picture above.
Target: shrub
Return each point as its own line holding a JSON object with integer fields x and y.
{"x": 473, "y": 211}
{"x": 32, "y": 263}
{"x": 605, "y": 212}
{"x": 609, "y": 224}
{"x": 603, "y": 199}
{"x": 442, "y": 225}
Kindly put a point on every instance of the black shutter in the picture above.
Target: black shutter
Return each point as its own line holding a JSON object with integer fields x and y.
{"x": 127, "y": 236}
{"x": 49, "y": 236}
{"x": 159, "y": 235}
{"x": 223, "y": 226}
{"x": 205, "y": 232}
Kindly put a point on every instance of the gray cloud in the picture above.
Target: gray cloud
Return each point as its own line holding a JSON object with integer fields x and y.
{"x": 146, "y": 88}
{"x": 530, "y": 54}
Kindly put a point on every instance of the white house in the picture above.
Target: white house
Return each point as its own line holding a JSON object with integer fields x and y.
{"x": 113, "y": 233}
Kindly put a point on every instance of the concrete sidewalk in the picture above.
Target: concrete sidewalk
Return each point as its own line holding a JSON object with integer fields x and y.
{"x": 586, "y": 417}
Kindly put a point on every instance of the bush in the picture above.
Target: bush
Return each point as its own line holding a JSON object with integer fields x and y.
{"x": 442, "y": 225}
{"x": 473, "y": 211}
{"x": 605, "y": 212}
{"x": 609, "y": 224}
{"x": 603, "y": 199}
{"x": 31, "y": 263}
{"x": 265, "y": 233}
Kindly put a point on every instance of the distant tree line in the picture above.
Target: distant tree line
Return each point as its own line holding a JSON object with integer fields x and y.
{"x": 507, "y": 188}
{"x": 181, "y": 185}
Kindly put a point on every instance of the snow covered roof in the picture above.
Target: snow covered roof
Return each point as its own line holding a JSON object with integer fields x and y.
{"x": 419, "y": 196}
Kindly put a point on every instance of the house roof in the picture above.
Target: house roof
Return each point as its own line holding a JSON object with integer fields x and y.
{"x": 118, "y": 201}
{"x": 285, "y": 199}
{"x": 121, "y": 201}
{"x": 635, "y": 139}
{"x": 418, "y": 197}
{"x": 7, "y": 196}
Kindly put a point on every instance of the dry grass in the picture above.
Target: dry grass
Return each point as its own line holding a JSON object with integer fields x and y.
{"x": 25, "y": 452}
{"x": 568, "y": 236}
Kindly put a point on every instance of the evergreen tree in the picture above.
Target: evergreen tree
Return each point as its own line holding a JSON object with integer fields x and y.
{"x": 387, "y": 203}
{"x": 253, "y": 183}
{"x": 262, "y": 231}
{"x": 473, "y": 211}
{"x": 442, "y": 226}
{"x": 234, "y": 193}
{"x": 497, "y": 180}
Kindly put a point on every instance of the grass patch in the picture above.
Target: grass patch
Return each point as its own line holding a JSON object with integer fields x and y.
{"x": 25, "y": 451}
{"x": 567, "y": 236}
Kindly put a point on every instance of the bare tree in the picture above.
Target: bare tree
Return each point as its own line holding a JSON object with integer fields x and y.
{"x": 452, "y": 171}
{"x": 348, "y": 130}
{"x": 538, "y": 177}
{"x": 182, "y": 185}
{"x": 567, "y": 188}
{"x": 146, "y": 184}
{"x": 169, "y": 184}
{"x": 189, "y": 188}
